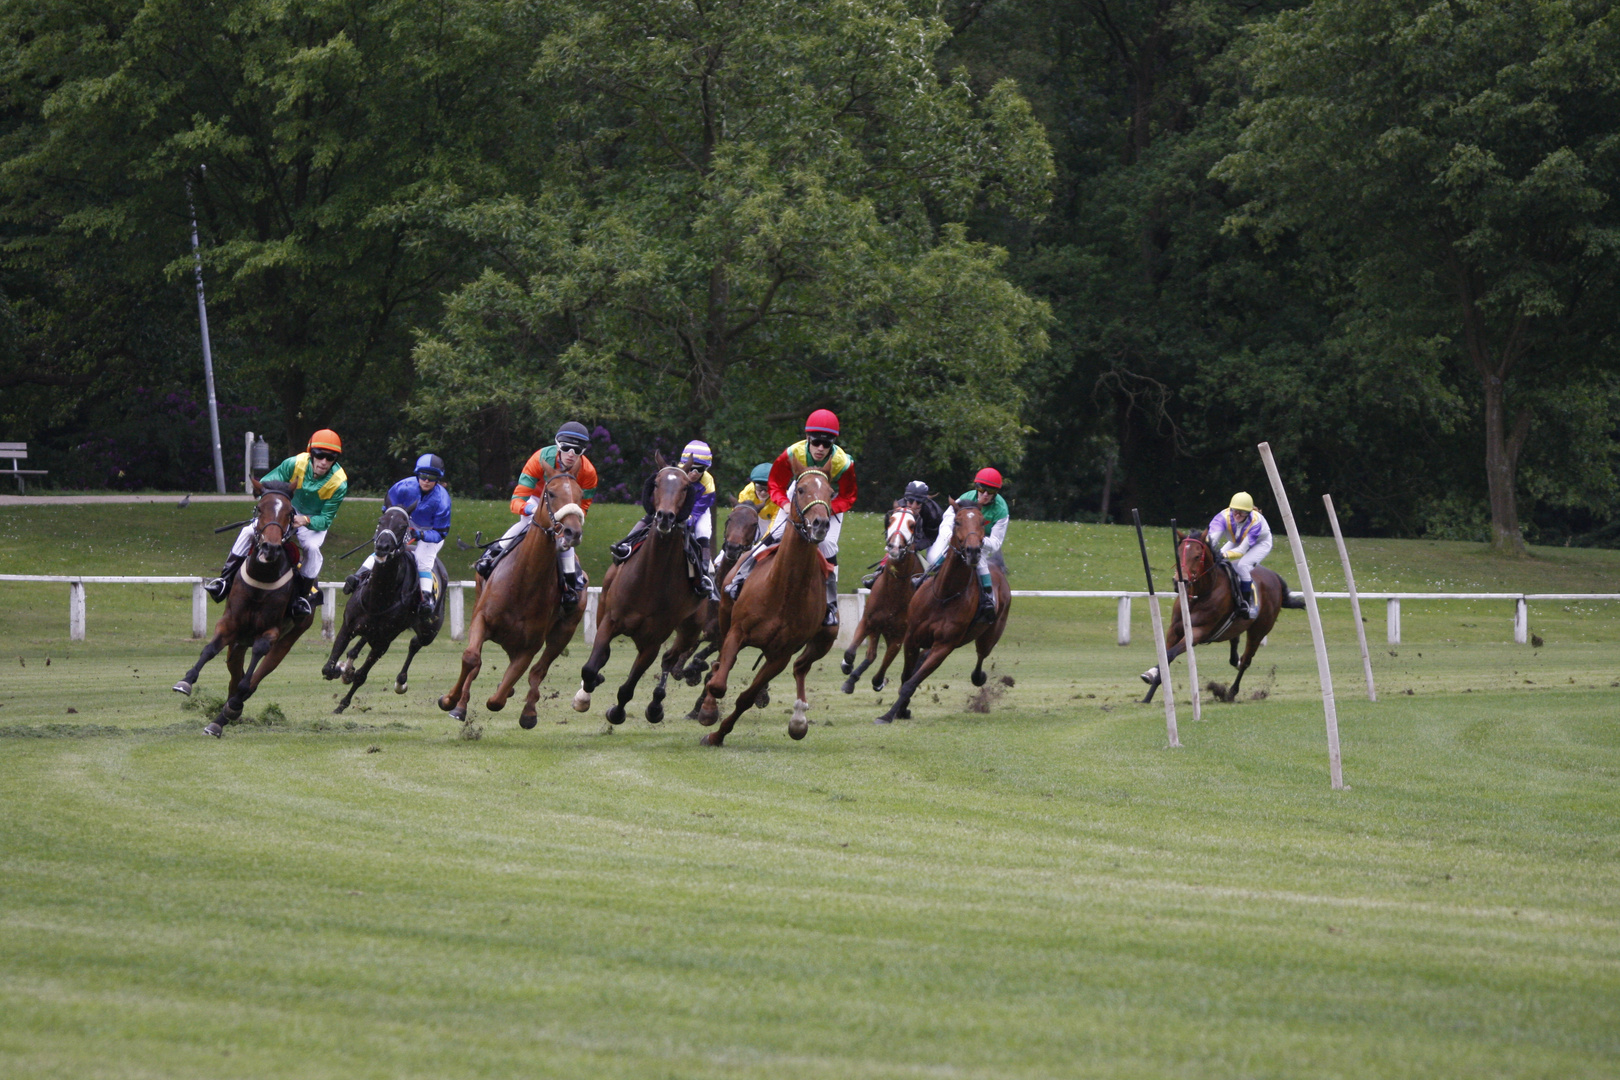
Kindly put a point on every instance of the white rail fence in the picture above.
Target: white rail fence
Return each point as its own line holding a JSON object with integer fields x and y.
{"x": 851, "y": 605}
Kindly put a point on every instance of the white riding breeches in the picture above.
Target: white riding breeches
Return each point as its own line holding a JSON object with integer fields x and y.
{"x": 994, "y": 537}
{"x": 565, "y": 559}
{"x": 308, "y": 542}
{"x": 1250, "y": 559}
{"x": 705, "y": 526}
{"x": 424, "y": 554}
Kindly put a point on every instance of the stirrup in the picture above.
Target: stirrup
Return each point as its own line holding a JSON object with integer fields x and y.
{"x": 987, "y": 610}
{"x": 354, "y": 581}
{"x": 832, "y": 615}
{"x": 299, "y": 607}
{"x": 217, "y": 589}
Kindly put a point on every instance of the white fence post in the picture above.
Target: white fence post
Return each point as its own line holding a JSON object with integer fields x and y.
{"x": 1124, "y": 620}
{"x": 199, "y": 611}
{"x": 592, "y": 596}
{"x": 75, "y": 611}
{"x": 328, "y": 610}
{"x": 458, "y": 613}
{"x": 1394, "y": 620}
{"x": 1521, "y": 621}
{"x": 1355, "y": 600}
{"x": 1187, "y": 641}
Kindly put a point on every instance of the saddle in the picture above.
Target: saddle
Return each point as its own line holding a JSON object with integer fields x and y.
{"x": 294, "y": 553}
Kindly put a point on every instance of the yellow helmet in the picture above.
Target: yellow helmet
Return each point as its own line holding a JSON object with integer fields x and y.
{"x": 1243, "y": 501}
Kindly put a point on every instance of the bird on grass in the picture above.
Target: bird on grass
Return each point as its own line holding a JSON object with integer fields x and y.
{"x": 183, "y": 503}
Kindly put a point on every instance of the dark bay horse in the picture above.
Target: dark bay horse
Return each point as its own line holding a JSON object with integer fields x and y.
{"x": 256, "y": 607}
{"x": 645, "y": 598}
{"x": 385, "y": 606}
{"x": 518, "y": 606}
{"x": 1214, "y": 606}
{"x": 741, "y": 530}
{"x": 942, "y": 616}
{"x": 889, "y": 603}
{"x": 781, "y": 607}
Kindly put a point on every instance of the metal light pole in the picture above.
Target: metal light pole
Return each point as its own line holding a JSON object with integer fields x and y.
{"x": 207, "y": 350}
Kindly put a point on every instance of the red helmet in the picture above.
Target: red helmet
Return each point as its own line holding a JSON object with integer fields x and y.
{"x": 326, "y": 439}
{"x": 989, "y": 478}
{"x": 821, "y": 422}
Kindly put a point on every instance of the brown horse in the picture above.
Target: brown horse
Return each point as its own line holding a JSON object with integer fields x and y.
{"x": 741, "y": 530}
{"x": 1216, "y": 614}
{"x": 518, "y": 608}
{"x": 781, "y": 607}
{"x": 890, "y": 600}
{"x": 256, "y": 608}
{"x": 645, "y": 598}
{"x": 942, "y": 616}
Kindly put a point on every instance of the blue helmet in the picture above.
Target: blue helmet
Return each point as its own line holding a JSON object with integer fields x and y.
{"x": 430, "y": 465}
{"x": 573, "y": 436}
{"x": 761, "y": 473}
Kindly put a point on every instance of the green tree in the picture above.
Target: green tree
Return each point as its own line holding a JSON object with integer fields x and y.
{"x": 747, "y": 215}
{"x": 1456, "y": 160}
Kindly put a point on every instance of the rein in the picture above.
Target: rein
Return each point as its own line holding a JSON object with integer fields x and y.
{"x": 799, "y": 523}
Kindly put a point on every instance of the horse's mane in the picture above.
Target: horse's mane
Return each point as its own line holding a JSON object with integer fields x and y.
{"x": 968, "y": 504}
{"x": 277, "y": 487}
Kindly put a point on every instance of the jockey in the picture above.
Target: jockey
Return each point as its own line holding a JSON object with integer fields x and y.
{"x": 699, "y": 525}
{"x": 1249, "y": 542}
{"x": 425, "y": 499}
{"x": 817, "y": 450}
{"x": 986, "y": 491}
{"x": 566, "y": 454}
{"x": 319, "y": 485}
{"x": 921, "y": 502}
{"x": 757, "y": 493}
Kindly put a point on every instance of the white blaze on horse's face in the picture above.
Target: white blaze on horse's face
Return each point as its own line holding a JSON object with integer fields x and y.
{"x": 901, "y": 528}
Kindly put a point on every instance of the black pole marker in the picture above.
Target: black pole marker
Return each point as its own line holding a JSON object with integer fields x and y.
{"x": 1136, "y": 516}
{"x": 1175, "y": 554}
{"x": 234, "y": 525}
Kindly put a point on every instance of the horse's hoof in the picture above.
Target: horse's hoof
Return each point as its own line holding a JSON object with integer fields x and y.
{"x": 848, "y": 665}
{"x": 495, "y": 704}
{"x": 1150, "y": 676}
{"x": 903, "y": 714}
{"x": 693, "y": 676}
{"x": 459, "y": 714}
{"x": 182, "y": 687}
{"x": 710, "y": 738}
{"x": 528, "y": 720}
{"x": 886, "y": 718}
{"x": 214, "y": 728}
{"x": 655, "y": 712}
{"x": 979, "y": 678}
{"x": 582, "y": 700}
{"x": 446, "y": 703}
{"x": 400, "y": 688}
{"x": 339, "y": 710}
{"x": 347, "y": 676}
{"x": 849, "y": 685}
{"x": 797, "y": 729}
{"x": 879, "y": 682}
{"x": 763, "y": 700}
{"x": 708, "y": 717}
{"x": 329, "y": 671}
{"x": 615, "y": 714}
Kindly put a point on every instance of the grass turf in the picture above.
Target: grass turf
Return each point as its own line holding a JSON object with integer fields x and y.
{"x": 1038, "y": 890}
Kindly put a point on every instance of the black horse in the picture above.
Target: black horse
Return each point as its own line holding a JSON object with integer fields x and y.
{"x": 384, "y": 606}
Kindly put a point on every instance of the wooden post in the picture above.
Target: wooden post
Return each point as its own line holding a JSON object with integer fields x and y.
{"x": 75, "y": 611}
{"x": 199, "y": 611}
{"x": 1392, "y": 620}
{"x": 1158, "y": 640}
{"x": 1192, "y": 660}
{"x": 592, "y": 596}
{"x": 1355, "y": 600}
{"x": 1124, "y": 620}
{"x": 1335, "y": 769}
{"x": 458, "y": 614}
{"x": 328, "y": 611}
{"x": 1521, "y": 621}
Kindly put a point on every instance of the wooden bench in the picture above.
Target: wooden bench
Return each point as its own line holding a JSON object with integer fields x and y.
{"x": 18, "y": 451}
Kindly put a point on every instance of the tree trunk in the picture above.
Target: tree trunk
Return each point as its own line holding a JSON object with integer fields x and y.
{"x": 1502, "y": 450}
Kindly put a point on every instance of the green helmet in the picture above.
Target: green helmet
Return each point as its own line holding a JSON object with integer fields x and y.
{"x": 761, "y": 473}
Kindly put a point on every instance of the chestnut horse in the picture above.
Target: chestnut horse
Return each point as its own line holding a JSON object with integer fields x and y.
{"x": 518, "y": 606}
{"x": 1213, "y": 604}
{"x": 941, "y": 618}
{"x": 255, "y": 608}
{"x": 781, "y": 607}
{"x": 890, "y": 600}
{"x": 741, "y": 531}
{"x": 386, "y": 606}
{"x": 645, "y": 598}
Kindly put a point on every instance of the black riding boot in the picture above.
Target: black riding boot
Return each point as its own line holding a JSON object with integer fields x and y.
{"x": 492, "y": 555}
{"x": 303, "y": 589}
{"x": 353, "y": 582}
{"x": 572, "y": 586}
{"x": 220, "y": 587}
{"x": 1251, "y": 610}
{"x": 987, "y": 606}
{"x": 638, "y": 532}
{"x": 832, "y": 601}
{"x": 703, "y": 580}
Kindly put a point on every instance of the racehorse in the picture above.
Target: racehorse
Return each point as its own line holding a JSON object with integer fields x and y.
{"x": 646, "y": 597}
{"x": 518, "y": 605}
{"x": 942, "y": 615}
{"x": 256, "y": 607}
{"x": 384, "y": 606}
{"x": 1212, "y": 599}
{"x": 781, "y": 607}
{"x": 890, "y": 600}
{"x": 741, "y": 531}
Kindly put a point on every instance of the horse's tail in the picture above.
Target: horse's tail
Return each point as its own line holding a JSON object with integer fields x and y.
{"x": 1289, "y": 598}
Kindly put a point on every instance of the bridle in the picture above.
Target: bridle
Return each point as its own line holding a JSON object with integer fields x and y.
{"x": 1194, "y": 546}
{"x": 800, "y": 523}
{"x": 902, "y": 508}
{"x": 393, "y": 533}
{"x": 733, "y": 550}
{"x": 555, "y": 514}
{"x": 260, "y": 526}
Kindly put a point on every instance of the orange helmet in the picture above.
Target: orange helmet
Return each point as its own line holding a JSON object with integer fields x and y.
{"x": 326, "y": 439}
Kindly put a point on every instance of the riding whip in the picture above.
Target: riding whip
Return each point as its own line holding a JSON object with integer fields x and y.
{"x": 234, "y": 525}
{"x": 356, "y": 548}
